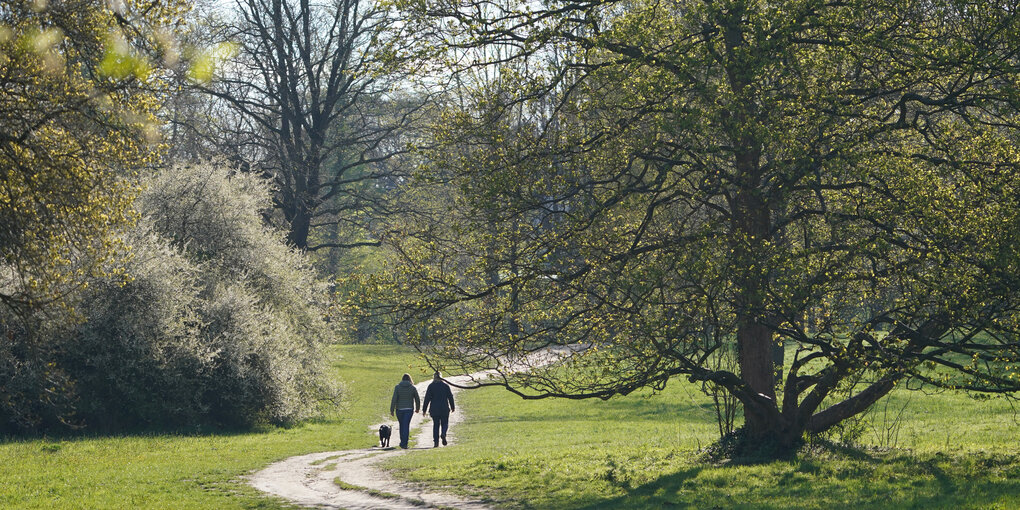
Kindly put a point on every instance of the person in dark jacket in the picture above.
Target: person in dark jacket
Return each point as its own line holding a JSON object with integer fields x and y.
{"x": 440, "y": 397}
{"x": 404, "y": 403}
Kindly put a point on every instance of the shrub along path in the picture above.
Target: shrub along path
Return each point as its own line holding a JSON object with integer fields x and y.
{"x": 351, "y": 479}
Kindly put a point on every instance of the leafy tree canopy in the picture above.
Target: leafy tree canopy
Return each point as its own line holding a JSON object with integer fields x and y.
{"x": 656, "y": 183}
{"x": 78, "y": 89}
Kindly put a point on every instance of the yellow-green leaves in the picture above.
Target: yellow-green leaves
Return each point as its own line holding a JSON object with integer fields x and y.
{"x": 77, "y": 104}
{"x": 44, "y": 43}
{"x": 208, "y": 60}
{"x": 121, "y": 61}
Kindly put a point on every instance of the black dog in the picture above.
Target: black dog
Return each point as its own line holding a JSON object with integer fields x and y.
{"x": 384, "y": 436}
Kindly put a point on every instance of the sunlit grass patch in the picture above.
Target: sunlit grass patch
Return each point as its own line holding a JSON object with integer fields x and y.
{"x": 198, "y": 470}
{"x": 645, "y": 451}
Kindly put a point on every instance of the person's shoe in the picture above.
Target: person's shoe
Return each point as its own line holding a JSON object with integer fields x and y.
{"x": 404, "y": 446}
{"x": 437, "y": 444}
{"x": 444, "y": 441}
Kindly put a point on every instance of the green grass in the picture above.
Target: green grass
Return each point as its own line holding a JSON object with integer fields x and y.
{"x": 194, "y": 471}
{"x": 377, "y": 493}
{"x": 642, "y": 451}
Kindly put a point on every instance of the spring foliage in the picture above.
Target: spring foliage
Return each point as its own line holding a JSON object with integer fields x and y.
{"x": 77, "y": 98}
{"x": 216, "y": 321}
{"x": 656, "y": 183}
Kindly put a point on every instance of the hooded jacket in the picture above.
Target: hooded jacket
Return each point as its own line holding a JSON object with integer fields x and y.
{"x": 405, "y": 396}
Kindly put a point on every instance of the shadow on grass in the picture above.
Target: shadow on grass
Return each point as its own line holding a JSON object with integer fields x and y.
{"x": 656, "y": 408}
{"x": 621, "y": 412}
{"x": 192, "y": 432}
{"x": 900, "y": 481}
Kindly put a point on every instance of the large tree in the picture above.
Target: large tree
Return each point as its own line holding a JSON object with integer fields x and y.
{"x": 80, "y": 82}
{"x": 78, "y": 92}
{"x": 314, "y": 90}
{"x": 654, "y": 183}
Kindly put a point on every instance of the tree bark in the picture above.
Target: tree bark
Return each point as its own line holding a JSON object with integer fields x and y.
{"x": 300, "y": 224}
{"x": 751, "y": 228}
{"x": 754, "y": 338}
{"x": 852, "y": 406}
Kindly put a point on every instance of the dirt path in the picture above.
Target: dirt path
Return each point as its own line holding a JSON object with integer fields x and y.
{"x": 309, "y": 480}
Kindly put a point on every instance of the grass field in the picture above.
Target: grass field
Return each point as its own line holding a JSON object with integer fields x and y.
{"x": 193, "y": 471}
{"x": 943, "y": 451}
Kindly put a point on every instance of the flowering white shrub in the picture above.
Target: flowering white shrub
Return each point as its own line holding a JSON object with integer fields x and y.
{"x": 217, "y": 321}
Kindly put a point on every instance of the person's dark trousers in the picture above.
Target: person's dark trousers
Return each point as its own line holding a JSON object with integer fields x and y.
{"x": 404, "y": 418}
{"x": 440, "y": 421}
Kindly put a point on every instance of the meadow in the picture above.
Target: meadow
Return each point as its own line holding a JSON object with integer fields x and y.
{"x": 913, "y": 450}
{"x": 640, "y": 451}
{"x": 198, "y": 469}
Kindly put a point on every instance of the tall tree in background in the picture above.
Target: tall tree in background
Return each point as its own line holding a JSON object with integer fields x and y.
{"x": 838, "y": 176}
{"x": 313, "y": 91}
{"x": 192, "y": 120}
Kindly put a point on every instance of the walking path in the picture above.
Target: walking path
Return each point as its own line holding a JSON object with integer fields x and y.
{"x": 310, "y": 480}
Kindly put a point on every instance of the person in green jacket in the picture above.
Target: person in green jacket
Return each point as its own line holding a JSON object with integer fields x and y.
{"x": 404, "y": 404}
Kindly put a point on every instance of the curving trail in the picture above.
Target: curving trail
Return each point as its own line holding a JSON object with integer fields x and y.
{"x": 309, "y": 480}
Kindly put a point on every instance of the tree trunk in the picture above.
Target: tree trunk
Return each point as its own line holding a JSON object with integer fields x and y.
{"x": 762, "y": 420}
{"x": 751, "y": 231}
{"x": 300, "y": 223}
